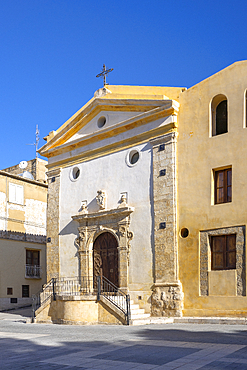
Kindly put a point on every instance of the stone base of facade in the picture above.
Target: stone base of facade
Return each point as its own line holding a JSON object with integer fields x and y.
{"x": 167, "y": 299}
{"x": 78, "y": 310}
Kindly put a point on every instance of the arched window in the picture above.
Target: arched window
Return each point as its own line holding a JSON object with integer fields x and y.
{"x": 219, "y": 115}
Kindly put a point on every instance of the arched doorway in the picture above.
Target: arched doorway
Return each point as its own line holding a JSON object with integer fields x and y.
{"x": 105, "y": 257}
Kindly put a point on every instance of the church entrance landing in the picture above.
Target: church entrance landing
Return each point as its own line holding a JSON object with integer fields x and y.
{"x": 105, "y": 257}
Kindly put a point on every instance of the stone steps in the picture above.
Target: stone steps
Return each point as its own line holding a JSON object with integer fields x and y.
{"x": 137, "y": 313}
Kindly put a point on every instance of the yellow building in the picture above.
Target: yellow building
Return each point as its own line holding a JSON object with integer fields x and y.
{"x": 146, "y": 187}
{"x": 211, "y": 194}
{"x": 22, "y": 236}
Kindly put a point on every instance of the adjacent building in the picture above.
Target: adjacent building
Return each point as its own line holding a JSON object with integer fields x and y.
{"x": 22, "y": 235}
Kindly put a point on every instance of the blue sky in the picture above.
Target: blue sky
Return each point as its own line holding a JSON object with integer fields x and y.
{"x": 51, "y": 51}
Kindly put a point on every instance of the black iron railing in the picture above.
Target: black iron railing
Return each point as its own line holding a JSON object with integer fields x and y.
{"x": 84, "y": 285}
{"x": 47, "y": 292}
{"x": 113, "y": 294}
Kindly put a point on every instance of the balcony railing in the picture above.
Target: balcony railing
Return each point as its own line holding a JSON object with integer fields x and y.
{"x": 33, "y": 271}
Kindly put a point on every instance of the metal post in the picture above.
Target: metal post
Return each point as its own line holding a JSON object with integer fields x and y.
{"x": 33, "y": 308}
{"x": 128, "y": 309}
{"x": 99, "y": 287}
{"x": 54, "y": 288}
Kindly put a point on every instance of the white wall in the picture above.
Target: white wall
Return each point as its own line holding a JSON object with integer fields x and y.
{"x": 112, "y": 174}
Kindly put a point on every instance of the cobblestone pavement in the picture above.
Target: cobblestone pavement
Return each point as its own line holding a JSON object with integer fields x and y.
{"x": 170, "y": 346}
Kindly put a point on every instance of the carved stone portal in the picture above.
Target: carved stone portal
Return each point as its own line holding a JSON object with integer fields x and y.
{"x": 91, "y": 225}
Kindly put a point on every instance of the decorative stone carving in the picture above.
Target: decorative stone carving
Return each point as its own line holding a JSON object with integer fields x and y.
{"x": 167, "y": 300}
{"x": 101, "y": 199}
{"x": 83, "y": 207}
{"x": 80, "y": 241}
{"x": 121, "y": 231}
{"x": 130, "y": 236}
{"x": 123, "y": 200}
{"x": 101, "y": 92}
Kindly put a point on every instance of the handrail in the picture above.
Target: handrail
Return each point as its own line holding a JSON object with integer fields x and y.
{"x": 82, "y": 286}
{"x": 39, "y": 299}
{"x": 113, "y": 294}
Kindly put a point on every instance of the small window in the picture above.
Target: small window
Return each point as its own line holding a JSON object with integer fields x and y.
{"x": 223, "y": 186}
{"x": 101, "y": 122}
{"x": 223, "y": 252}
{"x": 15, "y": 193}
{"x": 184, "y": 232}
{"x": 75, "y": 173}
{"x": 9, "y": 291}
{"x": 25, "y": 291}
{"x": 132, "y": 157}
{"x": 219, "y": 115}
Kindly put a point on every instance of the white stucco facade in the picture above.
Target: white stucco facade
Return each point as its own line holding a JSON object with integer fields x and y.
{"x": 112, "y": 174}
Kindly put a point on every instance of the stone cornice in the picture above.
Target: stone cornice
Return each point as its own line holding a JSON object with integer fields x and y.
{"x": 164, "y": 139}
{"x": 23, "y": 237}
{"x": 113, "y": 147}
{"x": 53, "y": 173}
{"x": 103, "y": 215}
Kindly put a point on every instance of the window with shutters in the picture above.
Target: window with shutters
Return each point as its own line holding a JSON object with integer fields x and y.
{"x": 223, "y": 252}
{"x": 223, "y": 186}
{"x": 15, "y": 193}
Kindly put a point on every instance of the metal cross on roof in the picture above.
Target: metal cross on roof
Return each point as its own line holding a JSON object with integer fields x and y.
{"x": 104, "y": 73}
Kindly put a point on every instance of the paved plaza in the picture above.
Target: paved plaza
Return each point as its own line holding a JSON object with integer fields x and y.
{"x": 170, "y": 346}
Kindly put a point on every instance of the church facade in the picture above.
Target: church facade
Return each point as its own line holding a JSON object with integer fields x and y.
{"x": 146, "y": 188}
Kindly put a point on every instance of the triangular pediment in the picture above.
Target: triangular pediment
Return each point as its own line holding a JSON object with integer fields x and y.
{"x": 104, "y": 119}
{"x": 110, "y": 113}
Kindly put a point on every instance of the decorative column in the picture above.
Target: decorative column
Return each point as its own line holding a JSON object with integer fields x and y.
{"x": 167, "y": 296}
{"x": 125, "y": 236}
{"x": 52, "y": 252}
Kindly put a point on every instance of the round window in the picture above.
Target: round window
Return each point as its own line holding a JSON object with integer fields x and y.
{"x": 132, "y": 157}
{"x": 101, "y": 122}
{"x": 75, "y": 173}
{"x": 184, "y": 232}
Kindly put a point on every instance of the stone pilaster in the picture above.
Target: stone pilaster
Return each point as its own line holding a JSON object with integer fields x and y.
{"x": 167, "y": 293}
{"x": 52, "y": 253}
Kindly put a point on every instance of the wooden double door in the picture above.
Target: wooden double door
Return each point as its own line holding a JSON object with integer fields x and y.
{"x": 105, "y": 257}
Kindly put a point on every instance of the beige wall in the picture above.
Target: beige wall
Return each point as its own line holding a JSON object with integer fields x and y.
{"x": 22, "y": 226}
{"x": 198, "y": 154}
{"x": 12, "y": 271}
{"x": 29, "y": 217}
